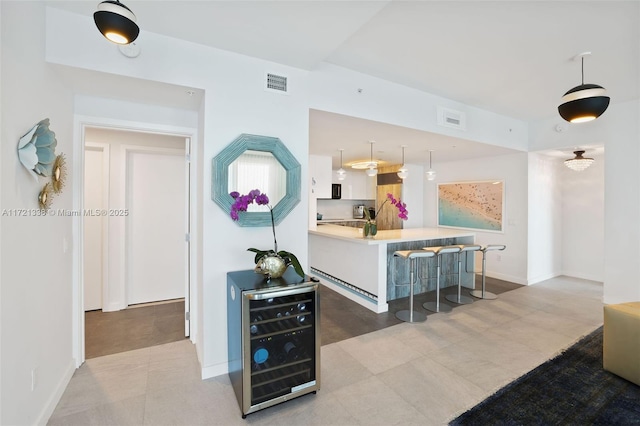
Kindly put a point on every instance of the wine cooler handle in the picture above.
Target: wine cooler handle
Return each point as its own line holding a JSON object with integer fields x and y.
{"x": 269, "y": 293}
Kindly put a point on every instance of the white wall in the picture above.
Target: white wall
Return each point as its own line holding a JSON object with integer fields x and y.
{"x": 618, "y": 130}
{"x": 545, "y": 219}
{"x": 36, "y": 297}
{"x": 105, "y": 108}
{"x": 335, "y": 89}
{"x": 583, "y": 220}
{"x": 512, "y": 169}
{"x": 412, "y": 191}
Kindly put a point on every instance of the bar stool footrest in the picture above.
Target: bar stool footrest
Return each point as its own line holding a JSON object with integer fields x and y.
{"x": 405, "y": 315}
{"x": 464, "y": 300}
{"x": 431, "y": 306}
{"x": 480, "y": 295}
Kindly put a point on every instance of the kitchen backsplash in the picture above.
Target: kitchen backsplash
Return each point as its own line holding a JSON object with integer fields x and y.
{"x": 340, "y": 209}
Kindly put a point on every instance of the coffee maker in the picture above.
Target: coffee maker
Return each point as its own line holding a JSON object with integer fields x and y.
{"x": 358, "y": 211}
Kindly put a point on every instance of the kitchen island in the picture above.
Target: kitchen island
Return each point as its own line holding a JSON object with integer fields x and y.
{"x": 365, "y": 271}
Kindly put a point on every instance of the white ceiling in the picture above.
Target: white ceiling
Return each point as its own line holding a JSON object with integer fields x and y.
{"x": 509, "y": 57}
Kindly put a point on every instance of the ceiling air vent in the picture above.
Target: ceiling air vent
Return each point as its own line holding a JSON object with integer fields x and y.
{"x": 452, "y": 118}
{"x": 276, "y": 83}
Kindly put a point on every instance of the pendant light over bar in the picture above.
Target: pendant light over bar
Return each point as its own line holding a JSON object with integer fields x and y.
{"x": 431, "y": 174}
{"x": 341, "y": 172}
{"x": 116, "y": 22}
{"x": 579, "y": 163}
{"x": 585, "y": 102}
{"x": 372, "y": 170}
{"x": 403, "y": 172}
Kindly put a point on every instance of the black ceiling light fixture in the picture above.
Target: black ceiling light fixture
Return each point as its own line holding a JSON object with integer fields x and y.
{"x": 116, "y": 22}
{"x": 585, "y": 102}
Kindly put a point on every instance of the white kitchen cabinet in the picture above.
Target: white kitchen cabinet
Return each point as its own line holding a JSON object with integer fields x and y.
{"x": 356, "y": 185}
{"x": 320, "y": 175}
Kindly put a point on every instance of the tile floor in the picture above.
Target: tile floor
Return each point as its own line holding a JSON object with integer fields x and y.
{"x": 422, "y": 374}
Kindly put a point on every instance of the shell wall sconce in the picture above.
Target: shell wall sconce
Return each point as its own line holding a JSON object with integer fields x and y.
{"x": 36, "y": 152}
{"x": 36, "y": 149}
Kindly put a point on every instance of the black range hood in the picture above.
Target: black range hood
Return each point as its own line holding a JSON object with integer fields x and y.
{"x": 388, "y": 179}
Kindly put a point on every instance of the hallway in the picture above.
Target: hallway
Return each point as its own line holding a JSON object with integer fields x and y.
{"x": 133, "y": 328}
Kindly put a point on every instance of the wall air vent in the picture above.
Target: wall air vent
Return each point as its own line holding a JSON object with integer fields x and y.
{"x": 276, "y": 83}
{"x": 452, "y": 118}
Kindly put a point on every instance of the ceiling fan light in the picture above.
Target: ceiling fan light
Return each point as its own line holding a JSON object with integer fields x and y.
{"x": 116, "y": 22}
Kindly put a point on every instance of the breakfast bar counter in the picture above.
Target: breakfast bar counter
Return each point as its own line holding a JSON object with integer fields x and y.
{"x": 365, "y": 271}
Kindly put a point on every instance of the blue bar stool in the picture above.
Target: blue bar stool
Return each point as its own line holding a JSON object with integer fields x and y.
{"x": 483, "y": 294}
{"x": 410, "y": 315}
{"x": 440, "y": 251}
{"x": 459, "y": 298}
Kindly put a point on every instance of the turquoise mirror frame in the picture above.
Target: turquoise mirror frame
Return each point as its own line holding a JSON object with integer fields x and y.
{"x": 220, "y": 178}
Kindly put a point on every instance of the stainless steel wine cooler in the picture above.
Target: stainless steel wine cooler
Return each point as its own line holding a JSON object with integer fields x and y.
{"x": 273, "y": 338}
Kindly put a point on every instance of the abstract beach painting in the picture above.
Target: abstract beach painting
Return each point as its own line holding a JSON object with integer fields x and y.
{"x": 471, "y": 205}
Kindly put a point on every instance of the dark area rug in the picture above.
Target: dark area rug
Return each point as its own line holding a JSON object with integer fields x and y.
{"x": 570, "y": 389}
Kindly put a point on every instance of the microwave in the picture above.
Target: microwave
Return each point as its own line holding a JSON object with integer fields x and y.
{"x": 336, "y": 191}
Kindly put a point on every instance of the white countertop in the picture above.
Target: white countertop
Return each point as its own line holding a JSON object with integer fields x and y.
{"x": 323, "y": 220}
{"x": 390, "y": 236}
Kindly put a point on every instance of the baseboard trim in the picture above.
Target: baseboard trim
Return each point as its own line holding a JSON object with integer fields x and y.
{"x": 505, "y": 277}
{"x": 582, "y": 276}
{"x": 51, "y": 404}
{"x": 543, "y": 278}
{"x": 214, "y": 370}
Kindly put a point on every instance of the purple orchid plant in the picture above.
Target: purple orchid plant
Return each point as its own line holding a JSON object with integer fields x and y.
{"x": 403, "y": 213}
{"x": 371, "y": 228}
{"x": 241, "y": 204}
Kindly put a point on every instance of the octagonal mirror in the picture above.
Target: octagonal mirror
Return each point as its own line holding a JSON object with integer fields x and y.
{"x": 257, "y": 162}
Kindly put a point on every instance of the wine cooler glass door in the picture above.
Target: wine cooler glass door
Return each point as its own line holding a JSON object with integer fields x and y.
{"x": 282, "y": 344}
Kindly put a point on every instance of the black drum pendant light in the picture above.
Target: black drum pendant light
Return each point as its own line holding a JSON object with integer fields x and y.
{"x": 585, "y": 102}
{"x": 116, "y": 22}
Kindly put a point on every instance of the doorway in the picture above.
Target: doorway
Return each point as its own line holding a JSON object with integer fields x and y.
{"x": 136, "y": 223}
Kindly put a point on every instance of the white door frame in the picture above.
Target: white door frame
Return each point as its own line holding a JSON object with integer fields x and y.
{"x": 106, "y": 172}
{"x": 187, "y": 227}
{"x": 80, "y": 124}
